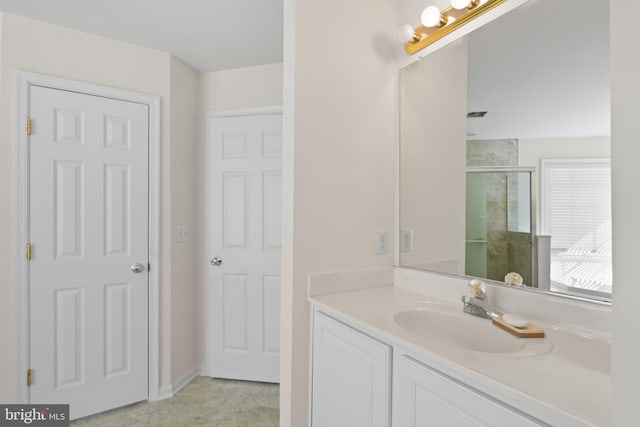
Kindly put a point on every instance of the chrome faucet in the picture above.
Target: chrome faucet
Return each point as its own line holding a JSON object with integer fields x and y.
{"x": 477, "y": 303}
{"x": 479, "y": 307}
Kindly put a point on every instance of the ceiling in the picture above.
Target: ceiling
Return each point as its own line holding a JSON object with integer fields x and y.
{"x": 209, "y": 35}
{"x": 541, "y": 70}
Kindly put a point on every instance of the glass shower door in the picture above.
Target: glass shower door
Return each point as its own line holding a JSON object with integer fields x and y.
{"x": 499, "y": 224}
{"x": 476, "y": 226}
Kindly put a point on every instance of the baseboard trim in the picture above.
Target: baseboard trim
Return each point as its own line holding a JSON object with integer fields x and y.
{"x": 165, "y": 392}
{"x": 169, "y": 390}
{"x": 185, "y": 379}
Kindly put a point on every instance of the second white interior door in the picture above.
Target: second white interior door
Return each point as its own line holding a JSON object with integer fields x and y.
{"x": 244, "y": 286}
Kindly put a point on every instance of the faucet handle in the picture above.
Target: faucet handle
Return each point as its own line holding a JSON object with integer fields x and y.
{"x": 477, "y": 288}
{"x": 513, "y": 279}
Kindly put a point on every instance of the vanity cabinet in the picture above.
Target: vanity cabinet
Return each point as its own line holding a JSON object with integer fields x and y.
{"x": 423, "y": 396}
{"x": 351, "y": 376}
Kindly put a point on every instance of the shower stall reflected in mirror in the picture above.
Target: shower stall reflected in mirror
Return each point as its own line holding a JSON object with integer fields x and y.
{"x": 500, "y": 223}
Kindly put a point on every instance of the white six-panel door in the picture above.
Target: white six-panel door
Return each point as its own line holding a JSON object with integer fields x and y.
{"x": 244, "y": 287}
{"x": 88, "y": 225}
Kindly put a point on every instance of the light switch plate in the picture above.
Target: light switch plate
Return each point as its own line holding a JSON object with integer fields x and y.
{"x": 382, "y": 242}
{"x": 406, "y": 240}
{"x": 182, "y": 233}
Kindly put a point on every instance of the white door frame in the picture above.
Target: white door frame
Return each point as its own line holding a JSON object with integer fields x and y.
{"x": 207, "y": 273}
{"x": 21, "y": 203}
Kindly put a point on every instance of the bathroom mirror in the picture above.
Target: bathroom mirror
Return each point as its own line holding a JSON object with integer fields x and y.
{"x": 504, "y": 152}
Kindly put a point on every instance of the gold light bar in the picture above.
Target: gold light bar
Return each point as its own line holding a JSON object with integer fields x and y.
{"x": 424, "y": 36}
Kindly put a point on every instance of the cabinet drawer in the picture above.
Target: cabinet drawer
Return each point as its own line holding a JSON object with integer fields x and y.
{"x": 424, "y": 397}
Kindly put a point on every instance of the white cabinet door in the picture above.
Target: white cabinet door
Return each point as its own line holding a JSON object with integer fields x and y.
{"x": 351, "y": 377}
{"x": 422, "y": 397}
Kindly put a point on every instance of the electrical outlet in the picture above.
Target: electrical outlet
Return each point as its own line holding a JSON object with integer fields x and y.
{"x": 382, "y": 242}
{"x": 406, "y": 240}
{"x": 182, "y": 233}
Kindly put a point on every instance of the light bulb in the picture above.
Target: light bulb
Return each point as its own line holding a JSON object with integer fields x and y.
{"x": 431, "y": 17}
{"x": 406, "y": 33}
{"x": 459, "y": 4}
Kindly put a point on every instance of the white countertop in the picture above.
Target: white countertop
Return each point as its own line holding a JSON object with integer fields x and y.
{"x": 569, "y": 385}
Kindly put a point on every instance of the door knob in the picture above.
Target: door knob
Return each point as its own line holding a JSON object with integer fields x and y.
{"x": 138, "y": 267}
{"x": 216, "y": 261}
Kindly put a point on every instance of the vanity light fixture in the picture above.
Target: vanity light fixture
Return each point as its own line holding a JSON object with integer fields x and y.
{"x": 464, "y": 4}
{"x": 437, "y": 24}
{"x": 407, "y": 34}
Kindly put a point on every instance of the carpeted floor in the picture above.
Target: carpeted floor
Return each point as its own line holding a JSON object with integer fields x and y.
{"x": 203, "y": 402}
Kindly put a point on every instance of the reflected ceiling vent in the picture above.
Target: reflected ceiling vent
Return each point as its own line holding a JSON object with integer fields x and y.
{"x": 476, "y": 114}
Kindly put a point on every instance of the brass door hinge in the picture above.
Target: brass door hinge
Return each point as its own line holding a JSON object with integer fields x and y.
{"x": 28, "y": 125}
{"x": 29, "y": 251}
{"x": 29, "y": 376}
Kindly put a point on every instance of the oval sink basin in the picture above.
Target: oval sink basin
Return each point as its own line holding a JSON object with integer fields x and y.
{"x": 466, "y": 331}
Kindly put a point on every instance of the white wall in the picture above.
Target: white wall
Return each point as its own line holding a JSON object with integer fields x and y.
{"x": 185, "y": 204}
{"x": 241, "y": 88}
{"x": 530, "y": 151}
{"x": 35, "y": 46}
{"x": 338, "y": 174}
{"x": 625, "y": 152}
{"x": 433, "y": 159}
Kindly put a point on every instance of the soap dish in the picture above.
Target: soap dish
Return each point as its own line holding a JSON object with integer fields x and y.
{"x": 512, "y": 320}
{"x": 530, "y": 331}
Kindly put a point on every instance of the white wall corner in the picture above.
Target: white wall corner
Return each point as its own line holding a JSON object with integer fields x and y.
{"x": 185, "y": 379}
{"x": 165, "y": 392}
